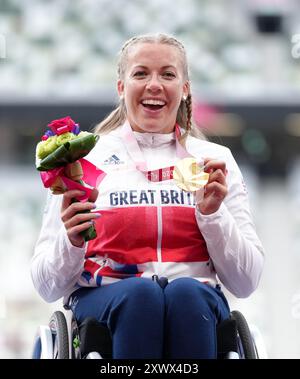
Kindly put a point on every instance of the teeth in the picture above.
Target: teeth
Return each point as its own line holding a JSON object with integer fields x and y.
{"x": 153, "y": 102}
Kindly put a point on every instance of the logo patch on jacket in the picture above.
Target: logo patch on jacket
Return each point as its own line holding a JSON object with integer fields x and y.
{"x": 113, "y": 160}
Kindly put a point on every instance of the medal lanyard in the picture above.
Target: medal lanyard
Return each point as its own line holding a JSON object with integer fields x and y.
{"x": 132, "y": 146}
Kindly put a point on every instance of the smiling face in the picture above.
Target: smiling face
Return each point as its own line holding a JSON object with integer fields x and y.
{"x": 153, "y": 87}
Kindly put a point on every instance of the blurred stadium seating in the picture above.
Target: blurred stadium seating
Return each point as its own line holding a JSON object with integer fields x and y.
{"x": 60, "y": 59}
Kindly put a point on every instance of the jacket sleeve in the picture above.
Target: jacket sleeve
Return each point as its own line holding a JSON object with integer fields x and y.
{"x": 233, "y": 245}
{"x": 56, "y": 264}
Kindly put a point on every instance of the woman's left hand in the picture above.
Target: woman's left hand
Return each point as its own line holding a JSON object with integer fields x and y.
{"x": 215, "y": 189}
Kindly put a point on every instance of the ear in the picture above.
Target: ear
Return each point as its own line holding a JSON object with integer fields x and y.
{"x": 186, "y": 88}
{"x": 120, "y": 85}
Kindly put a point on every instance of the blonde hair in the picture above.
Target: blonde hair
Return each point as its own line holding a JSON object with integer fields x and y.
{"x": 184, "y": 115}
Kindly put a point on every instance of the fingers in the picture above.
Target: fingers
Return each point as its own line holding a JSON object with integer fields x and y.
{"x": 215, "y": 189}
{"x": 216, "y": 169}
{"x": 211, "y": 165}
{"x": 72, "y": 194}
{"x": 76, "y": 215}
{"x": 218, "y": 190}
{"x": 214, "y": 194}
{"x": 80, "y": 218}
{"x": 74, "y": 208}
{"x": 94, "y": 194}
{"x": 69, "y": 196}
{"x": 217, "y": 176}
{"x": 74, "y": 233}
{"x": 69, "y": 207}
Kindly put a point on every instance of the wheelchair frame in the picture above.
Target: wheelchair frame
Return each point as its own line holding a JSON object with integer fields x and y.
{"x": 62, "y": 339}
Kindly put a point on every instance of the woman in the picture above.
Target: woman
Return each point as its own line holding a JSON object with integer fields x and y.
{"x": 149, "y": 228}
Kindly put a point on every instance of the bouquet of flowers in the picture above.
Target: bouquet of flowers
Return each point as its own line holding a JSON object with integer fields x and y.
{"x": 59, "y": 158}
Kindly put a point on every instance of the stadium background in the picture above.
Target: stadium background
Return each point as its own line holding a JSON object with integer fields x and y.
{"x": 58, "y": 58}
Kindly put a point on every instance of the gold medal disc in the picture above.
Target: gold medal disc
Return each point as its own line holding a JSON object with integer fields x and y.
{"x": 189, "y": 175}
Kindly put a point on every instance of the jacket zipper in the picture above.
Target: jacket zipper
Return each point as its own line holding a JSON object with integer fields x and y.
{"x": 159, "y": 237}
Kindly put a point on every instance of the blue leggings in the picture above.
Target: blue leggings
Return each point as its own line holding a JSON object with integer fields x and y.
{"x": 146, "y": 321}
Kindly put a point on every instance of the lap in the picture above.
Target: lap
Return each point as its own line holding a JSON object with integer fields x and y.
{"x": 191, "y": 293}
{"x": 98, "y": 301}
{"x": 141, "y": 292}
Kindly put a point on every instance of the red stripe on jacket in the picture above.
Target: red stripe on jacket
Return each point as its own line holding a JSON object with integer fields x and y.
{"x": 126, "y": 235}
{"x": 130, "y": 235}
{"x": 108, "y": 271}
{"x": 181, "y": 238}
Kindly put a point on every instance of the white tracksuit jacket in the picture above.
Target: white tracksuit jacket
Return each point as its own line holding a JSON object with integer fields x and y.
{"x": 149, "y": 228}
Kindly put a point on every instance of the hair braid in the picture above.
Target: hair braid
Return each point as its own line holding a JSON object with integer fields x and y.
{"x": 188, "y": 105}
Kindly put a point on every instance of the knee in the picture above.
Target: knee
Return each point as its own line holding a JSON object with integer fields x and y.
{"x": 142, "y": 293}
{"x": 184, "y": 291}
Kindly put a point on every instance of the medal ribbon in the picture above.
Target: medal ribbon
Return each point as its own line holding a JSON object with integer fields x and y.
{"x": 160, "y": 174}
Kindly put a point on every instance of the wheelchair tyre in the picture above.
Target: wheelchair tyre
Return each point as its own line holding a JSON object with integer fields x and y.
{"x": 245, "y": 335}
{"x": 59, "y": 329}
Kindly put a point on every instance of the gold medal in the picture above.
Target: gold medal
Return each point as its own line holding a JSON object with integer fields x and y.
{"x": 189, "y": 175}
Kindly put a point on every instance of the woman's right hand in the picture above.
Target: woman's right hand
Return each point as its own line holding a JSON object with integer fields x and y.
{"x": 76, "y": 222}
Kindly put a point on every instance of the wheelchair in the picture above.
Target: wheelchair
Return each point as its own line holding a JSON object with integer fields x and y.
{"x": 63, "y": 338}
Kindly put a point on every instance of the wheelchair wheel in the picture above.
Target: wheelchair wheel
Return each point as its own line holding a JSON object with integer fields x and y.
{"x": 58, "y": 326}
{"x": 244, "y": 333}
